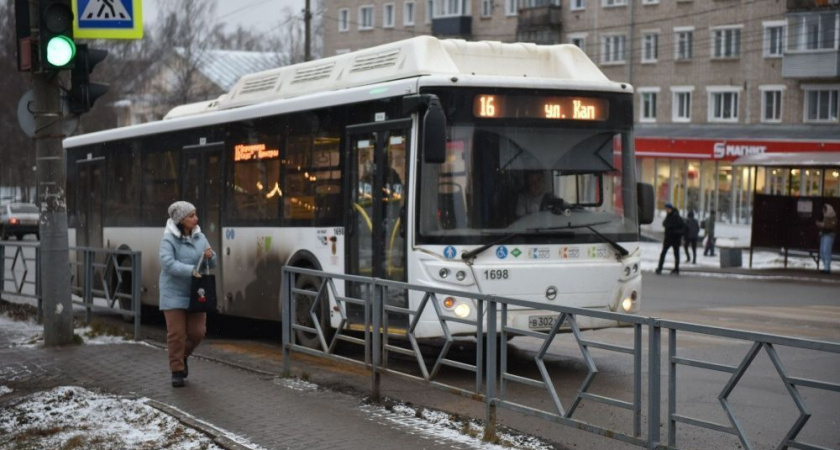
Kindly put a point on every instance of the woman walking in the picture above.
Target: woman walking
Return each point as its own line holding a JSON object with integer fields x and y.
{"x": 182, "y": 246}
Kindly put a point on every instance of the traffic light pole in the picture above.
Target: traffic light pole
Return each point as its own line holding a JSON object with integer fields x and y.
{"x": 52, "y": 180}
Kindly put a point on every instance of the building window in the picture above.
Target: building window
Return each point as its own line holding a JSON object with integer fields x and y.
{"x": 774, "y": 38}
{"x": 486, "y": 8}
{"x": 430, "y": 10}
{"x": 684, "y": 39}
{"x": 408, "y": 13}
{"x": 451, "y": 8}
{"x": 650, "y": 2}
{"x": 577, "y": 5}
{"x": 727, "y": 42}
{"x": 771, "y": 103}
{"x": 578, "y": 39}
{"x": 388, "y": 15}
{"x": 821, "y": 104}
{"x": 681, "y": 101}
{"x": 812, "y": 31}
{"x": 723, "y": 104}
{"x": 343, "y": 20}
{"x": 650, "y": 47}
{"x": 511, "y": 7}
{"x": 647, "y": 113}
{"x": 611, "y": 3}
{"x": 612, "y": 50}
{"x": 366, "y": 17}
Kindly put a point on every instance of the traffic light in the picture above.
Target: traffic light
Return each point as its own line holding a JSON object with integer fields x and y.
{"x": 56, "y": 35}
{"x": 83, "y": 93}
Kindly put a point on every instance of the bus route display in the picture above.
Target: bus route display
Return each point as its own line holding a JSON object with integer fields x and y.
{"x": 496, "y": 106}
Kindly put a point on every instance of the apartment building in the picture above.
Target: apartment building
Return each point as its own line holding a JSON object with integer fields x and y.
{"x": 715, "y": 80}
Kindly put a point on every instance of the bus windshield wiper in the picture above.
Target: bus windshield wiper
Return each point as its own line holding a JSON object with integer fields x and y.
{"x": 618, "y": 248}
{"x": 470, "y": 255}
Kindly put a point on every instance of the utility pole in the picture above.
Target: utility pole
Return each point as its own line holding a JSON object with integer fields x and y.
{"x": 307, "y": 39}
{"x": 51, "y": 178}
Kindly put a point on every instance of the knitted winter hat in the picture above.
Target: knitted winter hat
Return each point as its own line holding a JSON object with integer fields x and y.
{"x": 179, "y": 210}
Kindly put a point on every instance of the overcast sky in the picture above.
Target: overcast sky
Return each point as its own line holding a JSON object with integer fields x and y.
{"x": 258, "y": 15}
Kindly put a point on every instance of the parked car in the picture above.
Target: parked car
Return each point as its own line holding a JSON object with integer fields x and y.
{"x": 19, "y": 219}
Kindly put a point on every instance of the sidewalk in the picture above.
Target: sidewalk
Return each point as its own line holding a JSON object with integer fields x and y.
{"x": 271, "y": 412}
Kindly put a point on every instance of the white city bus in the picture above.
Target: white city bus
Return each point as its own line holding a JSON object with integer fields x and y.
{"x": 405, "y": 161}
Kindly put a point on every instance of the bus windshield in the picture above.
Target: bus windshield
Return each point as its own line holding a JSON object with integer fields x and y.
{"x": 539, "y": 182}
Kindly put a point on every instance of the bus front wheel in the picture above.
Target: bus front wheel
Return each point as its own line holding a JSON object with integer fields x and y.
{"x": 303, "y": 306}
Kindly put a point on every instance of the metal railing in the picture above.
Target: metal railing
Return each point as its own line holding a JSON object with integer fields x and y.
{"x": 101, "y": 279}
{"x": 110, "y": 276}
{"x": 494, "y": 379}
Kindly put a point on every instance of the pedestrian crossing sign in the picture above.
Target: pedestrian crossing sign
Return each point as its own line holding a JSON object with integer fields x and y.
{"x": 108, "y": 19}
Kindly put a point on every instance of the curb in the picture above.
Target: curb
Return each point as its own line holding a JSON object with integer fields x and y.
{"x": 219, "y": 438}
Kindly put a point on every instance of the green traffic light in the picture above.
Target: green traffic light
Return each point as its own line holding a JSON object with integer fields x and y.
{"x": 60, "y": 51}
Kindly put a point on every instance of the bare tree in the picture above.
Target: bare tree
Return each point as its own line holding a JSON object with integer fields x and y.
{"x": 17, "y": 151}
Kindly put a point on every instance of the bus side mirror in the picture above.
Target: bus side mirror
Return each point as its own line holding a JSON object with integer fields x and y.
{"x": 434, "y": 132}
{"x": 644, "y": 194}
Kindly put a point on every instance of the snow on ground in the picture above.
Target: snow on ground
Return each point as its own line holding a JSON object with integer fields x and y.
{"x": 70, "y": 416}
{"x": 732, "y": 235}
{"x": 440, "y": 425}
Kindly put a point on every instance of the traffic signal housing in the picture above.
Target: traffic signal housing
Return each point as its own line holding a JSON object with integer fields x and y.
{"x": 83, "y": 93}
{"x": 57, "y": 47}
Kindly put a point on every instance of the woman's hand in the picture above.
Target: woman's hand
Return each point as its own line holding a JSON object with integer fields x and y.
{"x": 208, "y": 253}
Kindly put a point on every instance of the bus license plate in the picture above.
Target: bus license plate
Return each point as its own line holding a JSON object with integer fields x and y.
{"x": 541, "y": 322}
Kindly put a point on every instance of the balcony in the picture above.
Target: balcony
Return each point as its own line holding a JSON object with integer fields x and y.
{"x": 452, "y": 26}
{"x": 810, "y": 5}
{"x": 539, "y": 17}
{"x": 811, "y": 64}
{"x": 540, "y": 24}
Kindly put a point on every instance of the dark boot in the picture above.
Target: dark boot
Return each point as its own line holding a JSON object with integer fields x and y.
{"x": 675, "y": 271}
{"x": 659, "y": 271}
{"x": 178, "y": 379}
{"x": 186, "y": 367}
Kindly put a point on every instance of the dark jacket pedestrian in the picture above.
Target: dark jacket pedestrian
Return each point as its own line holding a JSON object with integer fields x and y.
{"x": 674, "y": 232}
{"x": 692, "y": 232}
{"x": 182, "y": 246}
{"x": 709, "y": 227}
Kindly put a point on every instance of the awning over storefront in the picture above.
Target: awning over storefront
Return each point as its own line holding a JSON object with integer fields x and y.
{"x": 807, "y": 159}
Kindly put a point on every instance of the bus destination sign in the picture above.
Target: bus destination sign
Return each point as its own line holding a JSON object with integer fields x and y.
{"x": 493, "y": 106}
{"x": 248, "y": 152}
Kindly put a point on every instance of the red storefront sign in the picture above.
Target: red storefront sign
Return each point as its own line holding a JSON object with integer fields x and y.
{"x": 724, "y": 149}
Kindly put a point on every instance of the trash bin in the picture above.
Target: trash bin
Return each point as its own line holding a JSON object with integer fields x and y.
{"x": 730, "y": 256}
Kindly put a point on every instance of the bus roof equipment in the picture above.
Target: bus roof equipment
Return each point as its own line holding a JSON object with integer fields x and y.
{"x": 419, "y": 56}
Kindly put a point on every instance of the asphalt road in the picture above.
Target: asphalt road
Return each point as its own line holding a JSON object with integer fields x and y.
{"x": 760, "y": 401}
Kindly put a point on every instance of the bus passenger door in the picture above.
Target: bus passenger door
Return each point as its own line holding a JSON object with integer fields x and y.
{"x": 377, "y": 176}
{"x": 202, "y": 186}
{"x": 89, "y": 195}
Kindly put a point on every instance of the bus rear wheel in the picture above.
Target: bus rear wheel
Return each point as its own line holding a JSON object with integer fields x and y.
{"x": 303, "y": 306}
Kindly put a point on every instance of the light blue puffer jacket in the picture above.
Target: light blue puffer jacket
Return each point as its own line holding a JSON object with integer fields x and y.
{"x": 178, "y": 257}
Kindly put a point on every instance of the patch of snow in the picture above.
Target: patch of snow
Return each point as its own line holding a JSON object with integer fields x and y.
{"x": 296, "y": 384}
{"x": 442, "y": 427}
{"x": 5, "y": 390}
{"x": 762, "y": 259}
{"x": 28, "y": 334}
{"x": 73, "y": 414}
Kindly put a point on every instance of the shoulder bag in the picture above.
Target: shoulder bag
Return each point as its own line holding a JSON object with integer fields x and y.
{"x": 202, "y": 289}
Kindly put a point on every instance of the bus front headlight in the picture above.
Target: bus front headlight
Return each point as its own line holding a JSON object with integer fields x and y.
{"x": 462, "y": 310}
{"x": 629, "y": 302}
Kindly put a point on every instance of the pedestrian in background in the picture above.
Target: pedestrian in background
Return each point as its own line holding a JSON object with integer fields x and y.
{"x": 692, "y": 231}
{"x": 181, "y": 248}
{"x": 674, "y": 231}
{"x": 827, "y": 227}
{"x": 709, "y": 227}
